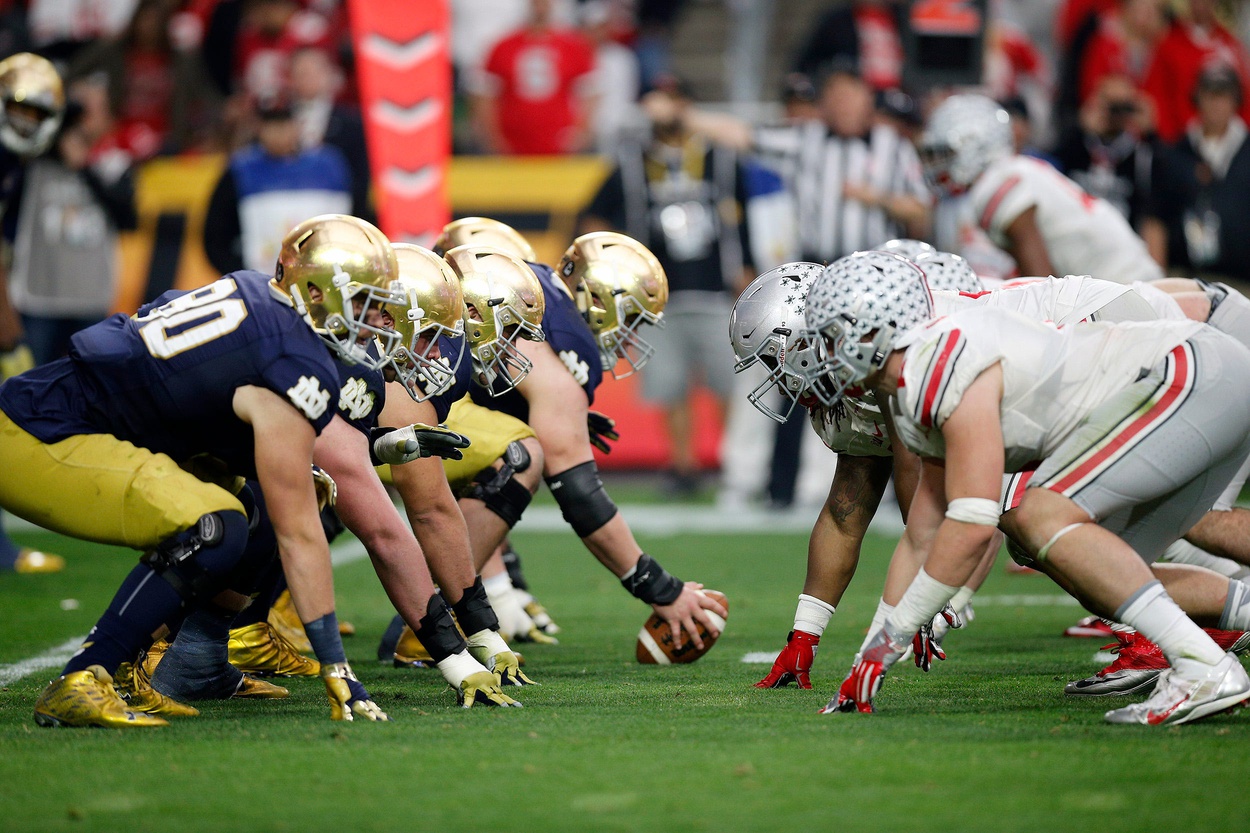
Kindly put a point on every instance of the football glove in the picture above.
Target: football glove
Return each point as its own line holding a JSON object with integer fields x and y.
{"x": 794, "y": 663}
{"x": 483, "y": 687}
{"x": 514, "y": 623}
{"x": 946, "y": 620}
{"x": 602, "y": 431}
{"x": 403, "y": 445}
{"x": 867, "y": 674}
{"x": 488, "y": 648}
{"x": 348, "y": 698}
{"x": 926, "y": 647}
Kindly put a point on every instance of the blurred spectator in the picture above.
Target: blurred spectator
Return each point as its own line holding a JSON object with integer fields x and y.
{"x": 1186, "y": 50}
{"x": 269, "y": 187}
{"x": 71, "y": 205}
{"x": 863, "y": 33}
{"x": 1014, "y": 66}
{"x": 619, "y": 80}
{"x": 1111, "y": 153}
{"x": 684, "y": 199}
{"x": 536, "y": 93}
{"x": 798, "y": 98}
{"x": 900, "y": 111}
{"x": 1123, "y": 44}
{"x": 315, "y": 83}
{"x": 1022, "y": 130}
{"x": 59, "y": 28}
{"x": 656, "y": 21}
{"x": 1198, "y": 218}
{"x": 1072, "y": 15}
{"x": 270, "y": 31}
{"x": 162, "y": 97}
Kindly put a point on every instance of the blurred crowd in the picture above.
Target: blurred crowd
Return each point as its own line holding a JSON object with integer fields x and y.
{"x": 1140, "y": 102}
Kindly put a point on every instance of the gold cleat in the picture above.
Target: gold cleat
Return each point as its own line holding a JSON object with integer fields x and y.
{"x": 250, "y": 688}
{"x": 87, "y": 698}
{"x": 34, "y": 561}
{"x": 134, "y": 685}
{"x": 259, "y": 649}
{"x": 285, "y": 620}
{"x": 410, "y": 653}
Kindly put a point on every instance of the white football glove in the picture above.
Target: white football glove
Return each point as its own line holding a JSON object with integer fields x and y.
{"x": 403, "y": 445}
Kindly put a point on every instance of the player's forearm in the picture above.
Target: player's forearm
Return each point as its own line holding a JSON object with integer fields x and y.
{"x": 309, "y": 574}
{"x": 614, "y": 545}
{"x": 832, "y": 556}
{"x": 958, "y": 548}
{"x": 721, "y": 128}
{"x": 834, "y": 548}
{"x": 444, "y": 538}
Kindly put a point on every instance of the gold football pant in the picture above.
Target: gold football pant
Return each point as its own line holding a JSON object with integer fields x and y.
{"x": 99, "y": 488}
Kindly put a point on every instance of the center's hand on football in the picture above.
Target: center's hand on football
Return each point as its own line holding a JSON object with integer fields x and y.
{"x": 348, "y": 697}
{"x": 685, "y": 609}
{"x": 404, "y": 445}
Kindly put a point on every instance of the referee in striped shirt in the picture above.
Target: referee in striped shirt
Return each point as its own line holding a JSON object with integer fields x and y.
{"x": 856, "y": 183}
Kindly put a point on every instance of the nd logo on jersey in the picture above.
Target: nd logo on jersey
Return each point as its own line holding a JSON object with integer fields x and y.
{"x": 308, "y": 396}
{"x": 579, "y": 369}
{"x": 355, "y": 399}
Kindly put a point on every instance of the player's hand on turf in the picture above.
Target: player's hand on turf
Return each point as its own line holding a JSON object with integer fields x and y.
{"x": 602, "y": 431}
{"x": 857, "y": 690}
{"x": 483, "y": 687}
{"x": 685, "y": 609}
{"x": 794, "y": 663}
{"x": 348, "y": 697}
{"x": 403, "y": 445}
{"x": 488, "y": 648}
{"x": 926, "y": 648}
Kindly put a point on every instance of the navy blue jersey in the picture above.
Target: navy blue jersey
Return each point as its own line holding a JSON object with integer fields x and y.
{"x": 165, "y": 379}
{"x": 362, "y": 393}
{"x": 569, "y": 336}
{"x": 451, "y": 349}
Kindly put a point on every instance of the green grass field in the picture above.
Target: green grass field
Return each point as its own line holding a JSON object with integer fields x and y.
{"x": 986, "y": 741}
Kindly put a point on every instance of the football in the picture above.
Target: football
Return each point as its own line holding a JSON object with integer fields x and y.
{"x": 655, "y": 640}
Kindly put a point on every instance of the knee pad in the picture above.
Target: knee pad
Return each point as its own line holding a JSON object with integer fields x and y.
{"x": 197, "y": 562}
{"x": 499, "y": 489}
{"x": 583, "y": 501}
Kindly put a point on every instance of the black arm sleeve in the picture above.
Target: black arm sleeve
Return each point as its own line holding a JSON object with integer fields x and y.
{"x": 223, "y": 239}
{"x": 117, "y": 199}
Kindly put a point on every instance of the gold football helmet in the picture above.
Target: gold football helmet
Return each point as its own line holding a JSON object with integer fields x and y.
{"x": 32, "y": 104}
{"x": 432, "y": 305}
{"x": 619, "y": 287}
{"x": 336, "y": 270}
{"x": 503, "y": 302}
{"x": 483, "y": 231}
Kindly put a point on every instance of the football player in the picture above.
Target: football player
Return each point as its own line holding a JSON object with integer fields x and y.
{"x": 984, "y": 391}
{"x": 90, "y": 444}
{"x": 1040, "y": 217}
{"x": 563, "y": 371}
{"x": 32, "y": 105}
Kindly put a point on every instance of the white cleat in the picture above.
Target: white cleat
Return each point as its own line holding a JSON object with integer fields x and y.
{"x": 1189, "y": 691}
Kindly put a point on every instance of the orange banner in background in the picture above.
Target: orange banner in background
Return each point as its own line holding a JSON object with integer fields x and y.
{"x": 403, "y": 67}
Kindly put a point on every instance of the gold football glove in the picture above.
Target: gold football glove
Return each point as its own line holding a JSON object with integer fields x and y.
{"x": 483, "y": 685}
{"x": 348, "y": 697}
{"x": 488, "y": 648}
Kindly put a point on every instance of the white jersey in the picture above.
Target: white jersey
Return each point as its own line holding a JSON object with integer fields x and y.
{"x": 1163, "y": 303}
{"x": 852, "y": 426}
{"x": 1052, "y": 377}
{"x": 1082, "y": 233}
{"x": 1057, "y": 300}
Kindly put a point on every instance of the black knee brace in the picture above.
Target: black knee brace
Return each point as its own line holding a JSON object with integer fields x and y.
{"x": 473, "y": 611}
{"x": 583, "y": 501}
{"x": 178, "y": 559}
{"x": 498, "y": 488}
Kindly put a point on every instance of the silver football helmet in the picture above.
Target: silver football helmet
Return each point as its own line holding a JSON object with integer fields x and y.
{"x": 907, "y": 247}
{"x": 860, "y": 305}
{"x": 948, "y": 272}
{"x": 767, "y": 326}
{"x": 964, "y": 135}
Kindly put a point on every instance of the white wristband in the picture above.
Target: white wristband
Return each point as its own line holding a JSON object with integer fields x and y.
{"x": 458, "y": 667}
{"x": 812, "y": 615}
{"x": 973, "y": 510}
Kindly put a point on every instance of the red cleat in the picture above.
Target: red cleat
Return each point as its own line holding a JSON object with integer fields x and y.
{"x": 1091, "y": 626}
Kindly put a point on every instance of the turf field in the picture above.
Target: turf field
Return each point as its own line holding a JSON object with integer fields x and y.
{"x": 985, "y": 742}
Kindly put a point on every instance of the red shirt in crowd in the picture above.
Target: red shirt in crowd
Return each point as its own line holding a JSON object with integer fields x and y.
{"x": 880, "y": 49}
{"x": 261, "y": 58}
{"x": 538, "y": 78}
{"x": 1182, "y": 55}
{"x": 1109, "y": 52}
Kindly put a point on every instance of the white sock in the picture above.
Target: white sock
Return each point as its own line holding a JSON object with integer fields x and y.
{"x": 812, "y": 615}
{"x": 922, "y": 601}
{"x": 1118, "y": 627}
{"x": 878, "y": 622}
{"x": 1236, "y": 616}
{"x": 1153, "y": 613}
{"x": 1183, "y": 552}
{"x": 961, "y": 598}
{"x": 497, "y": 584}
